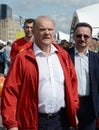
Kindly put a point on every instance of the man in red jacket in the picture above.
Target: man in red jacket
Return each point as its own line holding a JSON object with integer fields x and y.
{"x": 40, "y": 91}
{"x": 24, "y": 42}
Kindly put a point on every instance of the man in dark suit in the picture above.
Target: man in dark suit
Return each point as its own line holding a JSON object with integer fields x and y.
{"x": 87, "y": 68}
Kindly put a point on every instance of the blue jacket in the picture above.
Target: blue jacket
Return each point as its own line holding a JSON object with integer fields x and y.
{"x": 93, "y": 75}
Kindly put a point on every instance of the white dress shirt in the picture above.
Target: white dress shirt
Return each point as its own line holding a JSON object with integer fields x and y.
{"x": 82, "y": 70}
{"x": 51, "y": 81}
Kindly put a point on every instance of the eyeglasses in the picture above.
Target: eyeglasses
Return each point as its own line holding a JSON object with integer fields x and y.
{"x": 80, "y": 36}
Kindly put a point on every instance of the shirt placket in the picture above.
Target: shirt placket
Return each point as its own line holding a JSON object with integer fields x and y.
{"x": 53, "y": 95}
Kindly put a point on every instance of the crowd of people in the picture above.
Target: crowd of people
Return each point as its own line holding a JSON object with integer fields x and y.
{"x": 51, "y": 86}
{"x": 5, "y": 58}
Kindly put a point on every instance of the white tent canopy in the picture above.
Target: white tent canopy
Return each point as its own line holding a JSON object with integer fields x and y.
{"x": 87, "y": 14}
{"x": 2, "y": 42}
{"x": 63, "y": 36}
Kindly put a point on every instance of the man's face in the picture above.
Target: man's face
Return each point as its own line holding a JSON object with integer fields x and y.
{"x": 82, "y": 37}
{"x": 44, "y": 32}
{"x": 28, "y": 29}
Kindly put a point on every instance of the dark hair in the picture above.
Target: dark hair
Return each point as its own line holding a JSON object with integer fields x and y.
{"x": 83, "y": 24}
{"x": 29, "y": 21}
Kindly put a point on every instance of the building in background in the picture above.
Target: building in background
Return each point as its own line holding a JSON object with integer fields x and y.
{"x": 5, "y": 11}
{"x": 9, "y": 27}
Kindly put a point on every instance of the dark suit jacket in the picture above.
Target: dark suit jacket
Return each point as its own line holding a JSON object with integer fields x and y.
{"x": 93, "y": 75}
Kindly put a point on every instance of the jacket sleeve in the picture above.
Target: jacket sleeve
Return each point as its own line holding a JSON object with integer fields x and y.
{"x": 10, "y": 94}
{"x": 71, "y": 84}
{"x": 13, "y": 51}
{"x": 71, "y": 91}
{"x": 74, "y": 83}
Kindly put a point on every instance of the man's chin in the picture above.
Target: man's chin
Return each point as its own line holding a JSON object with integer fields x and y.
{"x": 47, "y": 41}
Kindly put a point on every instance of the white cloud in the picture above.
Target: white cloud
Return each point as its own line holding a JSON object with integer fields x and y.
{"x": 14, "y": 15}
{"x": 66, "y": 3}
{"x": 62, "y": 13}
{"x": 61, "y": 22}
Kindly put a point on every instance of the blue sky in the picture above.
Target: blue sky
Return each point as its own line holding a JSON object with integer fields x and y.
{"x": 60, "y": 10}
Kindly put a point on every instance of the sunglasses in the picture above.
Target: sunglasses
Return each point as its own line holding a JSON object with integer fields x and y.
{"x": 80, "y": 36}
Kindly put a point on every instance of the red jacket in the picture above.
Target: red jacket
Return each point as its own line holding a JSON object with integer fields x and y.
{"x": 19, "y": 106}
{"x": 18, "y": 46}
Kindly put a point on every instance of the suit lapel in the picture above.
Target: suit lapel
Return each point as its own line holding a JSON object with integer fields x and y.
{"x": 71, "y": 52}
{"x": 91, "y": 62}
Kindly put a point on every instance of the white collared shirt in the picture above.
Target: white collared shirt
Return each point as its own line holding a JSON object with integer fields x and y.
{"x": 82, "y": 70}
{"x": 51, "y": 81}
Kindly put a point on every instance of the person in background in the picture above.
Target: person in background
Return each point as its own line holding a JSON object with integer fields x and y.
{"x": 2, "y": 58}
{"x": 65, "y": 44}
{"x": 24, "y": 42}
{"x": 87, "y": 69}
{"x": 43, "y": 93}
{"x": 7, "y": 50}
